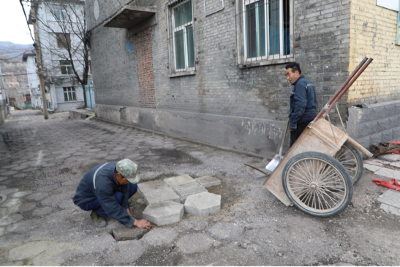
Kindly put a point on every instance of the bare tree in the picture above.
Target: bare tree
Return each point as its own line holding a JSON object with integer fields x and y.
{"x": 66, "y": 25}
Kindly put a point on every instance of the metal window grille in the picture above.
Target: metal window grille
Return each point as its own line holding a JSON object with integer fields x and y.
{"x": 267, "y": 29}
{"x": 66, "y": 67}
{"x": 182, "y": 36}
{"x": 69, "y": 94}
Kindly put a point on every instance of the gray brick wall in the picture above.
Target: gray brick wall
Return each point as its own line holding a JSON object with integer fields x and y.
{"x": 219, "y": 86}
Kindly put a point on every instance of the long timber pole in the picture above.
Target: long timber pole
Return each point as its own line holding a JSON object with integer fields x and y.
{"x": 39, "y": 61}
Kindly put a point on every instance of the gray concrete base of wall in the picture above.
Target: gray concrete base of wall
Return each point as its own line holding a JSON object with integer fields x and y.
{"x": 258, "y": 136}
{"x": 78, "y": 114}
{"x": 374, "y": 124}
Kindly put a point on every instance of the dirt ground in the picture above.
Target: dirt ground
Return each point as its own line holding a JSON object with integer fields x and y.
{"x": 40, "y": 225}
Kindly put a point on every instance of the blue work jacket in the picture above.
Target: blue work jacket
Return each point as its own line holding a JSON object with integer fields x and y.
{"x": 303, "y": 101}
{"x": 100, "y": 183}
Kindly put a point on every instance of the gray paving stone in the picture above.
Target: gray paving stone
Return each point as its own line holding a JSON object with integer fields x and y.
{"x": 126, "y": 252}
{"x": 208, "y": 181}
{"x": 372, "y": 168}
{"x": 391, "y": 198}
{"x": 122, "y": 233}
{"x": 390, "y": 157}
{"x": 193, "y": 243}
{"x": 229, "y": 231}
{"x": 177, "y": 181}
{"x": 163, "y": 213}
{"x": 203, "y": 204}
{"x": 157, "y": 191}
{"x": 160, "y": 236}
{"x": 42, "y": 211}
{"x": 189, "y": 189}
{"x": 393, "y": 174}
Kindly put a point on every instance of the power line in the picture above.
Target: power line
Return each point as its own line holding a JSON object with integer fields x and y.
{"x": 26, "y": 19}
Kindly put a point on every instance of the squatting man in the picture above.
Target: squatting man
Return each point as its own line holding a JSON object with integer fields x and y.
{"x": 303, "y": 101}
{"x": 106, "y": 189}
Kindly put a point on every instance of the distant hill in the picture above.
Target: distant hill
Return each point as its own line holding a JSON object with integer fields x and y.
{"x": 14, "y": 50}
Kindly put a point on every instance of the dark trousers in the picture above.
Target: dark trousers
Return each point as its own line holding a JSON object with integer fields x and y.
{"x": 294, "y": 134}
{"x": 95, "y": 204}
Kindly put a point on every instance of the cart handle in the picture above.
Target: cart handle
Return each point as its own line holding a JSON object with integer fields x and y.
{"x": 359, "y": 147}
{"x": 342, "y": 92}
{"x": 341, "y": 88}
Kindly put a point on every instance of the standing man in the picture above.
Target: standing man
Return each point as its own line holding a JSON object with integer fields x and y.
{"x": 303, "y": 101}
{"x": 105, "y": 191}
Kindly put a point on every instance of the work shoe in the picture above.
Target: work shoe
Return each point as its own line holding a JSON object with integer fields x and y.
{"x": 98, "y": 220}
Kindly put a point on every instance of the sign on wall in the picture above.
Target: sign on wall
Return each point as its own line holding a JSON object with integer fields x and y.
{"x": 389, "y": 4}
{"x": 398, "y": 30}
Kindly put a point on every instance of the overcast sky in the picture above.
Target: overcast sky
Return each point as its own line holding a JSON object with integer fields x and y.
{"x": 13, "y": 26}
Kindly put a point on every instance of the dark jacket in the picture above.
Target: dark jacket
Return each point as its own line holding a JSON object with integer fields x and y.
{"x": 303, "y": 101}
{"x": 100, "y": 183}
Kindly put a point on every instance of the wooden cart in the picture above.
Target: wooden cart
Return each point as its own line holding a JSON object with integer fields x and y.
{"x": 318, "y": 172}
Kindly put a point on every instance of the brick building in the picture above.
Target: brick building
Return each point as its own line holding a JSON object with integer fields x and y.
{"x": 213, "y": 70}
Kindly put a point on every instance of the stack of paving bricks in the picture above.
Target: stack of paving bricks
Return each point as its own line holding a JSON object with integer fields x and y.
{"x": 167, "y": 200}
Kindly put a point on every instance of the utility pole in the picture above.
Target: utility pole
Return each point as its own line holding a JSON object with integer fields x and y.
{"x": 39, "y": 60}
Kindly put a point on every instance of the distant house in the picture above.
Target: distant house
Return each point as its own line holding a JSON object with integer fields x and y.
{"x": 33, "y": 79}
{"x": 52, "y": 18}
{"x": 213, "y": 70}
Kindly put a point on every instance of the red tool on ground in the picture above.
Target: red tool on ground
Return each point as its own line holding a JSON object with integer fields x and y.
{"x": 393, "y": 184}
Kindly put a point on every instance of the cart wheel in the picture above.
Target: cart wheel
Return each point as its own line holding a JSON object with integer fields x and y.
{"x": 351, "y": 159}
{"x": 317, "y": 184}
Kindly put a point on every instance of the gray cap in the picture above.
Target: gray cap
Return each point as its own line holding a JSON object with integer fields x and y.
{"x": 128, "y": 169}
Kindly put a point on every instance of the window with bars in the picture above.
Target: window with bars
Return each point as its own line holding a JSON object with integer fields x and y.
{"x": 69, "y": 94}
{"x": 63, "y": 40}
{"x": 182, "y": 36}
{"x": 267, "y": 26}
{"x": 66, "y": 67}
{"x": 59, "y": 13}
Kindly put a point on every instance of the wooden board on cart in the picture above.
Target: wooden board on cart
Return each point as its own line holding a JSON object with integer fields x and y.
{"x": 316, "y": 137}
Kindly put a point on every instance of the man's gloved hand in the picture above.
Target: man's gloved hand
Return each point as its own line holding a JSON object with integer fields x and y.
{"x": 293, "y": 126}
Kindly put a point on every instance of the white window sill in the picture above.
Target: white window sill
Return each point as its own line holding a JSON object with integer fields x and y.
{"x": 260, "y": 63}
{"x": 182, "y": 73}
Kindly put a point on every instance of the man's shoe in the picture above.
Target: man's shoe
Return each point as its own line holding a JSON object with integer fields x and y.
{"x": 98, "y": 220}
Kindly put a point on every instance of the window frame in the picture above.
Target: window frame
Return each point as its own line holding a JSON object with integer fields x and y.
{"x": 61, "y": 38}
{"x": 62, "y": 11}
{"x": 243, "y": 59}
{"x": 174, "y": 71}
{"x": 67, "y": 67}
{"x": 69, "y": 91}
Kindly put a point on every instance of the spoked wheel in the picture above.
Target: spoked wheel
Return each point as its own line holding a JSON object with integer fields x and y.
{"x": 351, "y": 159}
{"x": 317, "y": 184}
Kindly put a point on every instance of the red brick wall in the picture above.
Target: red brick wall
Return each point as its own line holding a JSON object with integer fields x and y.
{"x": 145, "y": 69}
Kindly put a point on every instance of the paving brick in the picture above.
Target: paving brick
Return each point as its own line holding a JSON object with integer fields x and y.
{"x": 372, "y": 168}
{"x": 122, "y": 233}
{"x": 163, "y": 213}
{"x": 389, "y": 157}
{"x": 157, "y": 191}
{"x": 228, "y": 231}
{"x": 208, "y": 181}
{"x": 189, "y": 189}
{"x": 193, "y": 243}
{"x": 203, "y": 204}
{"x": 390, "y": 198}
{"x": 177, "y": 181}
{"x": 160, "y": 236}
{"x": 392, "y": 174}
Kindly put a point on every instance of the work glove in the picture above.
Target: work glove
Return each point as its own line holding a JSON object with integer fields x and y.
{"x": 293, "y": 126}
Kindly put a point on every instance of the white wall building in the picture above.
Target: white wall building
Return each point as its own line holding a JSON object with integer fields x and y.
{"x": 61, "y": 27}
{"x": 33, "y": 79}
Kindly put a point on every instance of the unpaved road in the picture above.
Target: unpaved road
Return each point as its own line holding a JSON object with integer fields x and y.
{"x": 39, "y": 224}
